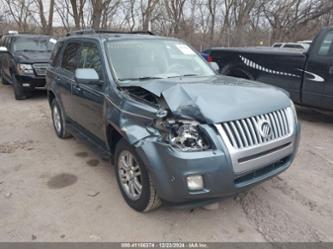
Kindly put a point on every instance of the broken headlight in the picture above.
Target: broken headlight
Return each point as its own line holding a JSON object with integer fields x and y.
{"x": 185, "y": 135}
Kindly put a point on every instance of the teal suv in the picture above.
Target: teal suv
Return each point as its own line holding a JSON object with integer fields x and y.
{"x": 175, "y": 130}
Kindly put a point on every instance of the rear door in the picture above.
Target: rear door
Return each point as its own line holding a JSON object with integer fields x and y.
{"x": 318, "y": 74}
{"x": 65, "y": 76}
{"x": 88, "y": 99}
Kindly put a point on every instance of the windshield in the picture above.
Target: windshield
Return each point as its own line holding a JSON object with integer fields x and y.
{"x": 151, "y": 59}
{"x": 44, "y": 44}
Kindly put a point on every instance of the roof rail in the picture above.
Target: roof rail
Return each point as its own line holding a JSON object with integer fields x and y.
{"x": 101, "y": 31}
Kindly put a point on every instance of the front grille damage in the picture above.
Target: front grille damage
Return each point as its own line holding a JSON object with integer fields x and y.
{"x": 247, "y": 132}
{"x": 257, "y": 141}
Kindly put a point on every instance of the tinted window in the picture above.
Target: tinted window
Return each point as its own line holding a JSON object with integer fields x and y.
{"x": 33, "y": 44}
{"x": 69, "y": 59}
{"x": 90, "y": 58}
{"x": 325, "y": 46}
{"x": 55, "y": 57}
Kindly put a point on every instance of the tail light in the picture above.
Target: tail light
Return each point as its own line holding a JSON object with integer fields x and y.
{"x": 210, "y": 58}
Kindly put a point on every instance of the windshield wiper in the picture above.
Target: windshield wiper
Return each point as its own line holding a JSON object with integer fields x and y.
{"x": 183, "y": 75}
{"x": 29, "y": 50}
{"x": 143, "y": 78}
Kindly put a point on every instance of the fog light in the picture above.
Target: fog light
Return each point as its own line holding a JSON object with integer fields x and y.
{"x": 195, "y": 182}
{"x": 26, "y": 85}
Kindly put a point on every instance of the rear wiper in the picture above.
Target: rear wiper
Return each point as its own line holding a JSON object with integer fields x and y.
{"x": 184, "y": 75}
{"x": 143, "y": 78}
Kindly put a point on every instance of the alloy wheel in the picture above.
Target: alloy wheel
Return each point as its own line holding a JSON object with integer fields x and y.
{"x": 130, "y": 175}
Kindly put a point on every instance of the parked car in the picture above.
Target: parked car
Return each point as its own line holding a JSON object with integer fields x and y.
{"x": 291, "y": 45}
{"x": 176, "y": 132}
{"x": 24, "y": 60}
{"x": 307, "y": 76}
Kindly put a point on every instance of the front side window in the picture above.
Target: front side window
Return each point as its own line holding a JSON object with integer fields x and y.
{"x": 70, "y": 56}
{"x": 55, "y": 57}
{"x": 90, "y": 58}
{"x": 39, "y": 44}
{"x": 154, "y": 58}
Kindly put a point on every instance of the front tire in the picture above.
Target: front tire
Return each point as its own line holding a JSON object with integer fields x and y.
{"x": 18, "y": 90}
{"x": 2, "y": 79}
{"x": 134, "y": 180}
{"x": 58, "y": 120}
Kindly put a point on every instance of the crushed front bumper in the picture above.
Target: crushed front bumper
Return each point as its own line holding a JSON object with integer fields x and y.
{"x": 169, "y": 169}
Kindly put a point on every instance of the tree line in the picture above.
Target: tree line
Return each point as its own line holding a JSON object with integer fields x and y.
{"x": 203, "y": 23}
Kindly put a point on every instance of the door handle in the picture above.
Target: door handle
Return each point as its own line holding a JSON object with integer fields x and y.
{"x": 330, "y": 69}
{"x": 77, "y": 88}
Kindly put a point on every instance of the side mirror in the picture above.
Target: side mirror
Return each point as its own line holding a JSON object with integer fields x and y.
{"x": 87, "y": 76}
{"x": 3, "y": 50}
{"x": 215, "y": 66}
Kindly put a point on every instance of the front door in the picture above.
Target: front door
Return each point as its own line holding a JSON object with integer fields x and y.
{"x": 88, "y": 98}
{"x": 318, "y": 73}
{"x": 65, "y": 76}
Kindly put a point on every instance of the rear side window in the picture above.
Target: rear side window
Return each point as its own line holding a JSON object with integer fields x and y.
{"x": 326, "y": 45}
{"x": 70, "y": 56}
{"x": 55, "y": 57}
{"x": 91, "y": 58}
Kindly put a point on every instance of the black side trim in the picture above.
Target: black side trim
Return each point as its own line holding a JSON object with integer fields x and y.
{"x": 244, "y": 159}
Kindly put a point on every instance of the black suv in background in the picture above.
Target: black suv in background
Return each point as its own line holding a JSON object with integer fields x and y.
{"x": 24, "y": 59}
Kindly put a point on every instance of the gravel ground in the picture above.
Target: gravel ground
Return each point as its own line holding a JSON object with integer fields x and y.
{"x": 60, "y": 190}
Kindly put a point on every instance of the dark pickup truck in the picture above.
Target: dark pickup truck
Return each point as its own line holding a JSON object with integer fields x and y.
{"x": 307, "y": 76}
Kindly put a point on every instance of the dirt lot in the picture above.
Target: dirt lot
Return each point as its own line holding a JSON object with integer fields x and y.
{"x": 60, "y": 190}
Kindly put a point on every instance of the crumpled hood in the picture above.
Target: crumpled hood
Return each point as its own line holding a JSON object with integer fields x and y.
{"x": 218, "y": 98}
{"x": 32, "y": 57}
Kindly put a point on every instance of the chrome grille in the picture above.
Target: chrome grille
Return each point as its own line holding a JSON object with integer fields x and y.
{"x": 248, "y": 132}
{"x": 40, "y": 69}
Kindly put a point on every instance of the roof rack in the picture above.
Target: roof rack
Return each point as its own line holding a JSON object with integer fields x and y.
{"x": 93, "y": 31}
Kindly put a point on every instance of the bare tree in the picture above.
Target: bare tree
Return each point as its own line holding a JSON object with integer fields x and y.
{"x": 212, "y": 5}
{"x": 20, "y": 12}
{"x": 148, "y": 7}
{"x": 175, "y": 12}
{"x": 46, "y": 22}
{"x": 290, "y": 18}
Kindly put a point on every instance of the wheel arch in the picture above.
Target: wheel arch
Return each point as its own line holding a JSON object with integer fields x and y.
{"x": 238, "y": 71}
{"x": 50, "y": 96}
{"x": 113, "y": 136}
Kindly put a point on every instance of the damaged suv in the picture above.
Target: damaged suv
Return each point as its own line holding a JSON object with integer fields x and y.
{"x": 176, "y": 132}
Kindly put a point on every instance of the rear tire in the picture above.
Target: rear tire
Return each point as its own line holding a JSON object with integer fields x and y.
{"x": 132, "y": 174}
{"x": 58, "y": 120}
